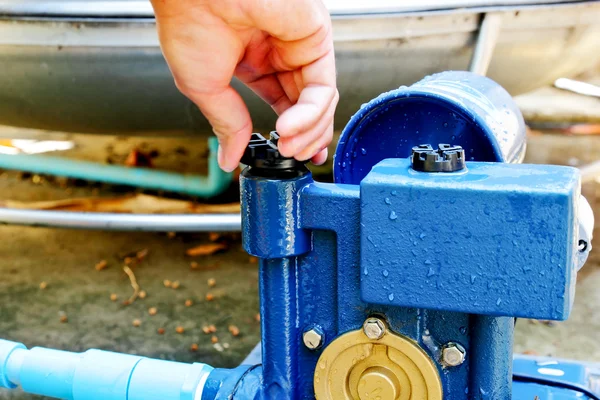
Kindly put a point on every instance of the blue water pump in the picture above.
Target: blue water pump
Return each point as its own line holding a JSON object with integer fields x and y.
{"x": 400, "y": 281}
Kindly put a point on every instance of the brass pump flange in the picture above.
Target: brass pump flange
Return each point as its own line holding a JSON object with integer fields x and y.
{"x": 376, "y": 364}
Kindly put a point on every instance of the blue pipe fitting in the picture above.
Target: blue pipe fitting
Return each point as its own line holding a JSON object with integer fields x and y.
{"x": 98, "y": 375}
{"x": 241, "y": 383}
{"x": 6, "y": 350}
{"x": 270, "y": 206}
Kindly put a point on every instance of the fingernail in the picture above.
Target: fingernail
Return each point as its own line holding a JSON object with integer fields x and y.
{"x": 222, "y": 160}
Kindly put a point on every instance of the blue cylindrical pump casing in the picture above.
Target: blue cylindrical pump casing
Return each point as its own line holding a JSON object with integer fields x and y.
{"x": 271, "y": 226}
{"x": 459, "y": 108}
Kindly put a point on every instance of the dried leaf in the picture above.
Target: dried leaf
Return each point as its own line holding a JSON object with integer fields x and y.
{"x": 140, "y": 255}
{"x": 101, "y": 265}
{"x": 206, "y": 249}
{"x": 134, "y": 285}
{"x": 137, "y": 158}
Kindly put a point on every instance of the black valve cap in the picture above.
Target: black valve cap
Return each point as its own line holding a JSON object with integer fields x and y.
{"x": 263, "y": 153}
{"x": 446, "y": 158}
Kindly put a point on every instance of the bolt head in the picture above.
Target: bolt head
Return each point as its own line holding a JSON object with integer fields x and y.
{"x": 374, "y": 328}
{"x": 313, "y": 338}
{"x": 453, "y": 355}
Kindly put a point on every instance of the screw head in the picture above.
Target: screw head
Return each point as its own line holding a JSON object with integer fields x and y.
{"x": 453, "y": 355}
{"x": 313, "y": 338}
{"x": 374, "y": 328}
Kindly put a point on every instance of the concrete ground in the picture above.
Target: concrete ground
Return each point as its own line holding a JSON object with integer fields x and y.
{"x": 65, "y": 261}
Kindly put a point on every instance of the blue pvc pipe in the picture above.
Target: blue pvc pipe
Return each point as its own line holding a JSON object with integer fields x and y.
{"x": 98, "y": 375}
{"x": 202, "y": 186}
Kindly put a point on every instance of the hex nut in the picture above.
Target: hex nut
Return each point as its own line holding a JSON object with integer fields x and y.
{"x": 453, "y": 355}
{"x": 313, "y": 338}
{"x": 374, "y": 328}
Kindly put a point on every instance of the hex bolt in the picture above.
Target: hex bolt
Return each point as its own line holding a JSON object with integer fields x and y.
{"x": 453, "y": 355}
{"x": 313, "y": 338}
{"x": 374, "y": 328}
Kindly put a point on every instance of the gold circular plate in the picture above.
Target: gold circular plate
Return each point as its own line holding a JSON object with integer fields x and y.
{"x": 353, "y": 367}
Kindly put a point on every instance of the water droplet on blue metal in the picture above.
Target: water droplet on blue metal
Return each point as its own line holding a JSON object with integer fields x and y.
{"x": 354, "y": 154}
{"x": 427, "y": 262}
{"x": 366, "y": 272}
{"x": 463, "y": 330}
{"x": 430, "y": 273}
{"x": 473, "y": 279}
{"x": 391, "y": 297}
{"x": 498, "y": 301}
{"x": 363, "y": 151}
{"x": 422, "y": 236}
{"x": 415, "y": 243}
{"x": 344, "y": 164}
{"x": 414, "y": 252}
{"x": 486, "y": 210}
{"x": 453, "y": 138}
{"x": 370, "y": 239}
{"x": 388, "y": 201}
{"x": 393, "y": 215}
{"x": 445, "y": 124}
{"x": 394, "y": 192}
{"x": 385, "y": 273}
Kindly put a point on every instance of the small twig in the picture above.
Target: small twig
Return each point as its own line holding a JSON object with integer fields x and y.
{"x": 134, "y": 285}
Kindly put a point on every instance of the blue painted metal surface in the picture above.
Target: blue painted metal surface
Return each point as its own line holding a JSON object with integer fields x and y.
{"x": 499, "y": 239}
{"x": 270, "y": 220}
{"x": 323, "y": 286}
{"x": 459, "y": 108}
{"x": 557, "y": 379}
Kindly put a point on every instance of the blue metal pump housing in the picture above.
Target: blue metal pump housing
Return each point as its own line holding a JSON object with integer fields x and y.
{"x": 444, "y": 259}
{"x": 395, "y": 282}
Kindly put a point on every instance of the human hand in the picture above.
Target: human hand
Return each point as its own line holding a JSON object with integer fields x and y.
{"x": 281, "y": 49}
